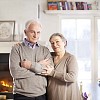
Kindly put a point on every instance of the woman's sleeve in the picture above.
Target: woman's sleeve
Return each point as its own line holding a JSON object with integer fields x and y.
{"x": 70, "y": 72}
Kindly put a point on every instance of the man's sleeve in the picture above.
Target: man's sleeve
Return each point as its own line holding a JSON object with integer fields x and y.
{"x": 15, "y": 69}
{"x": 36, "y": 67}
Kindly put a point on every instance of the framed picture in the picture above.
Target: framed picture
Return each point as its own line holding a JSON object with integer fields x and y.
{"x": 7, "y": 29}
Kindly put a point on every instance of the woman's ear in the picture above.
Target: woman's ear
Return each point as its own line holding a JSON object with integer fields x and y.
{"x": 25, "y": 31}
{"x": 65, "y": 43}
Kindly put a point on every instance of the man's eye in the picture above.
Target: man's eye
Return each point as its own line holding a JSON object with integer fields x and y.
{"x": 31, "y": 31}
{"x": 38, "y": 32}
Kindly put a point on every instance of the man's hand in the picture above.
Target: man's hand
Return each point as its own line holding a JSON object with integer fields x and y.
{"x": 26, "y": 64}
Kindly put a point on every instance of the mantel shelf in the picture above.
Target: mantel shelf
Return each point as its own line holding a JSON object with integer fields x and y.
{"x": 5, "y": 47}
{"x": 73, "y": 12}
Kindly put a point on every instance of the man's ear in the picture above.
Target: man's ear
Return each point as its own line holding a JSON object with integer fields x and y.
{"x": 25, "y": 32}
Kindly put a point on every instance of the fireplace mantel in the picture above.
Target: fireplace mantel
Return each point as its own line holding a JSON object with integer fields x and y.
{"x": 5, "y": 47}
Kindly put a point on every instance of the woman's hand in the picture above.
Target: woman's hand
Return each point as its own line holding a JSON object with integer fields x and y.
{"x": 47, "y": 70}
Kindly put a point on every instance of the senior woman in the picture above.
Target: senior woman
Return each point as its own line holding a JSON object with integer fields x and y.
{"x": 62, "y": 83}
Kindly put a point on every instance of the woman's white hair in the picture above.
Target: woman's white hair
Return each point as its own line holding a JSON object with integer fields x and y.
{"x": 29, "y": 22}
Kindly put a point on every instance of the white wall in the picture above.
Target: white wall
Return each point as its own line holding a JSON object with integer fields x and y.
{"x": 22, "y": 10}
{"x": 50, "y": 22}
{"x": 18, "y": 10}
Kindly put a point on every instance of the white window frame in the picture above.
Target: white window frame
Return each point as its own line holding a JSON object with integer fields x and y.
{"x": 94, "y": 51}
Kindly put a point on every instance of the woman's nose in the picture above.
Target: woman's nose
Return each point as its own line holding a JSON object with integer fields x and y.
{"x": 55, "y": 44}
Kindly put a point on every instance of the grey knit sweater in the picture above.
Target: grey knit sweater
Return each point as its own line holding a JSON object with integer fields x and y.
{"x": 28, "y": 82}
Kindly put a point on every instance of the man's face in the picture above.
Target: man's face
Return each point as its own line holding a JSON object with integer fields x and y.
{"x": 33, "y": 33}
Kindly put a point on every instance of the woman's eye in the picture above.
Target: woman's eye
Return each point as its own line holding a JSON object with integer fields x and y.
{"x": 57, "y": 41}
{"x": 52, "y": 43}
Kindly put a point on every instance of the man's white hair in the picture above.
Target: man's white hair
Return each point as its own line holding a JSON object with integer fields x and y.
{"x": 29, "y": 22}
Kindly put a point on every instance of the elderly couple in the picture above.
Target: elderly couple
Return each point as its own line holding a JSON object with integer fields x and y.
{"x": 41, "y": 75}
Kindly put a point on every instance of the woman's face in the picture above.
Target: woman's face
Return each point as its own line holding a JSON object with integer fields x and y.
{"x": 57, "y": 44}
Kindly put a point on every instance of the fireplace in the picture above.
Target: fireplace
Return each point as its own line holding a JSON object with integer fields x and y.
{"x": 6, "y": 81}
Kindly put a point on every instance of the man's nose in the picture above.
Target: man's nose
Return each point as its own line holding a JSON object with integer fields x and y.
{"x": 35, "y": 34}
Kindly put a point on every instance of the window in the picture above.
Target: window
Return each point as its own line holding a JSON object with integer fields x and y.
{"x": 78, "y": 34}
{"x": 98, "y": 29}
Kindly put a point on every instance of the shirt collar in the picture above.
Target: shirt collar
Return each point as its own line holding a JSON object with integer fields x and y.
{"x": 29, "y": 44}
